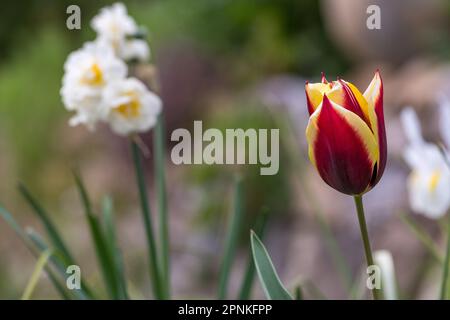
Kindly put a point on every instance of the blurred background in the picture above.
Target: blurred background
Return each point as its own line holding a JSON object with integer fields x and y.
{"x": 232, "y": 64}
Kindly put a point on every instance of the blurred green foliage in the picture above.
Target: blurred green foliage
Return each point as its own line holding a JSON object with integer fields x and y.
{"x": 29, "y": 97}
{"x": 250, "y": 40}
{"x": 254, "y": 36}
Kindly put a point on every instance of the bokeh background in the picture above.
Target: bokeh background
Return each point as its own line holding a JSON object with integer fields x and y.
{"x": 230, "y": 63}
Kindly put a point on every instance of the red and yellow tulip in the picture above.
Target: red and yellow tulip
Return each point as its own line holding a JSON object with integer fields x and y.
{"x": 346, "y": 134}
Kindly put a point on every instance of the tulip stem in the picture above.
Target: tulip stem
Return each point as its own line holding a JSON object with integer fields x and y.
{"x": 365, "y": 237}
{"x": 446, "y": 264}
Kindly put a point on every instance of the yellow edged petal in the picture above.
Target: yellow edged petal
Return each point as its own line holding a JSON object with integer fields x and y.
{"x": 370, "y": 95}
{"x": 315, "y": 92}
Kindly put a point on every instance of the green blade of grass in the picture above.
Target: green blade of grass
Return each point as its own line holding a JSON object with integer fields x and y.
{"x": 445, "y": 266}
{"x": 298, "y": 293}
{"x": 115, "y": 253}
{"x": 231, "y": 239}
{"x": 53, "y": 234}
{"x": 103, "y": 255}
{"x": 18, "y": 230}
{"x": 39, "y": 267}
{"x": 42, "y": 246}
{"x": 50, "y": 228}
{"x": 268, "y": 277}
{"x": 12, "y": 223}
{"x": 306, "y": 287}
{"x": 160, "y": 182}
{"x": 249, "y": 275}
{"x": 334, "y": 250}
{"x": 146, "y": 215}
{"x": 58, "y": 286}
{"x": 60, "y": 265}
{"x": 422, "y": 236}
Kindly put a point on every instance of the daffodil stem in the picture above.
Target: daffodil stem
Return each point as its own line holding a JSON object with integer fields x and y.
{"x": 446, "y": 264}
{"x": 152, "y": 250}
{"x": 365, "y": 237}
{"x": 160, "y": 181}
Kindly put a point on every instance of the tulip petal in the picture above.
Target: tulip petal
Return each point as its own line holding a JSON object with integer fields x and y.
{"x": 314, "y": 94}
{"x": 361, "y": 100}
{"x": 324, "y": 79}
{"x": 348, "y": 96}
{"x": 374, "y": 98}
{"x": 342, "y": 147}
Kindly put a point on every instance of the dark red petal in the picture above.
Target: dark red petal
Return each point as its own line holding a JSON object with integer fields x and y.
{"x": 351, "y": 103}
{"x": 340, "y": 155}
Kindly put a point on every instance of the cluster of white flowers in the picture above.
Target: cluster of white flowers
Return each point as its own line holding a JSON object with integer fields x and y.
{"x": 429, "y": 181}
{"x": 115, "y": 27}
{"x": 95, "y": 83}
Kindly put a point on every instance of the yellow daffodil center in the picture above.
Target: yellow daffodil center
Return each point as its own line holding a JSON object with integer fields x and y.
{"x": 113, "y": 27}
{"x": 93, "y": 76}
{"x": 130, "y": 109}
{"x": 434, "y": 180}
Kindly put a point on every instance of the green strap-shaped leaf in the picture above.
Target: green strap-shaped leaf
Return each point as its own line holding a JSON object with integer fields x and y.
{"x": 51, "y": 229}
{"x": 105, "y": 260}
{"x": 16, "y": 227}
{"x": 60, "y": 266}
{"x": 249, "y": 275}
{"x": 421, "y": 234}
{"x": 270, "y": 282}
{"x": 60, "y": 248}
{"x": 231, "y": 240}
{"x": 445, "y": 267}
{"x": 111, "y": 242}
{"x": 40, "y": 265}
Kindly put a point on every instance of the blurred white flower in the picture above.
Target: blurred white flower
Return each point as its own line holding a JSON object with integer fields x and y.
{"x": 429, "y": 181}
{"x": 115, "y": 27}
{"x": 384, "y": 260}
{"x": 95, "y": 84}
{"x": 86, "y": 73}
{"x": 133, "y": 108}
{"x": 134, "y": 49}
{"x": 444, "y": 118}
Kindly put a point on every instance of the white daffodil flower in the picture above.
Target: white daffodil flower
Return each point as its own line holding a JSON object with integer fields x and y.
{"x": 429, "y": 181}
{"x": 133, "y": 108}
{"x": 115, "y": 27}
{"x": 134, "y": 49}
{"x": 87, "y": 72}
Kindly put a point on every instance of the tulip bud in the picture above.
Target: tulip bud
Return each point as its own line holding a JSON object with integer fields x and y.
{"x": 346, "y": 134}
